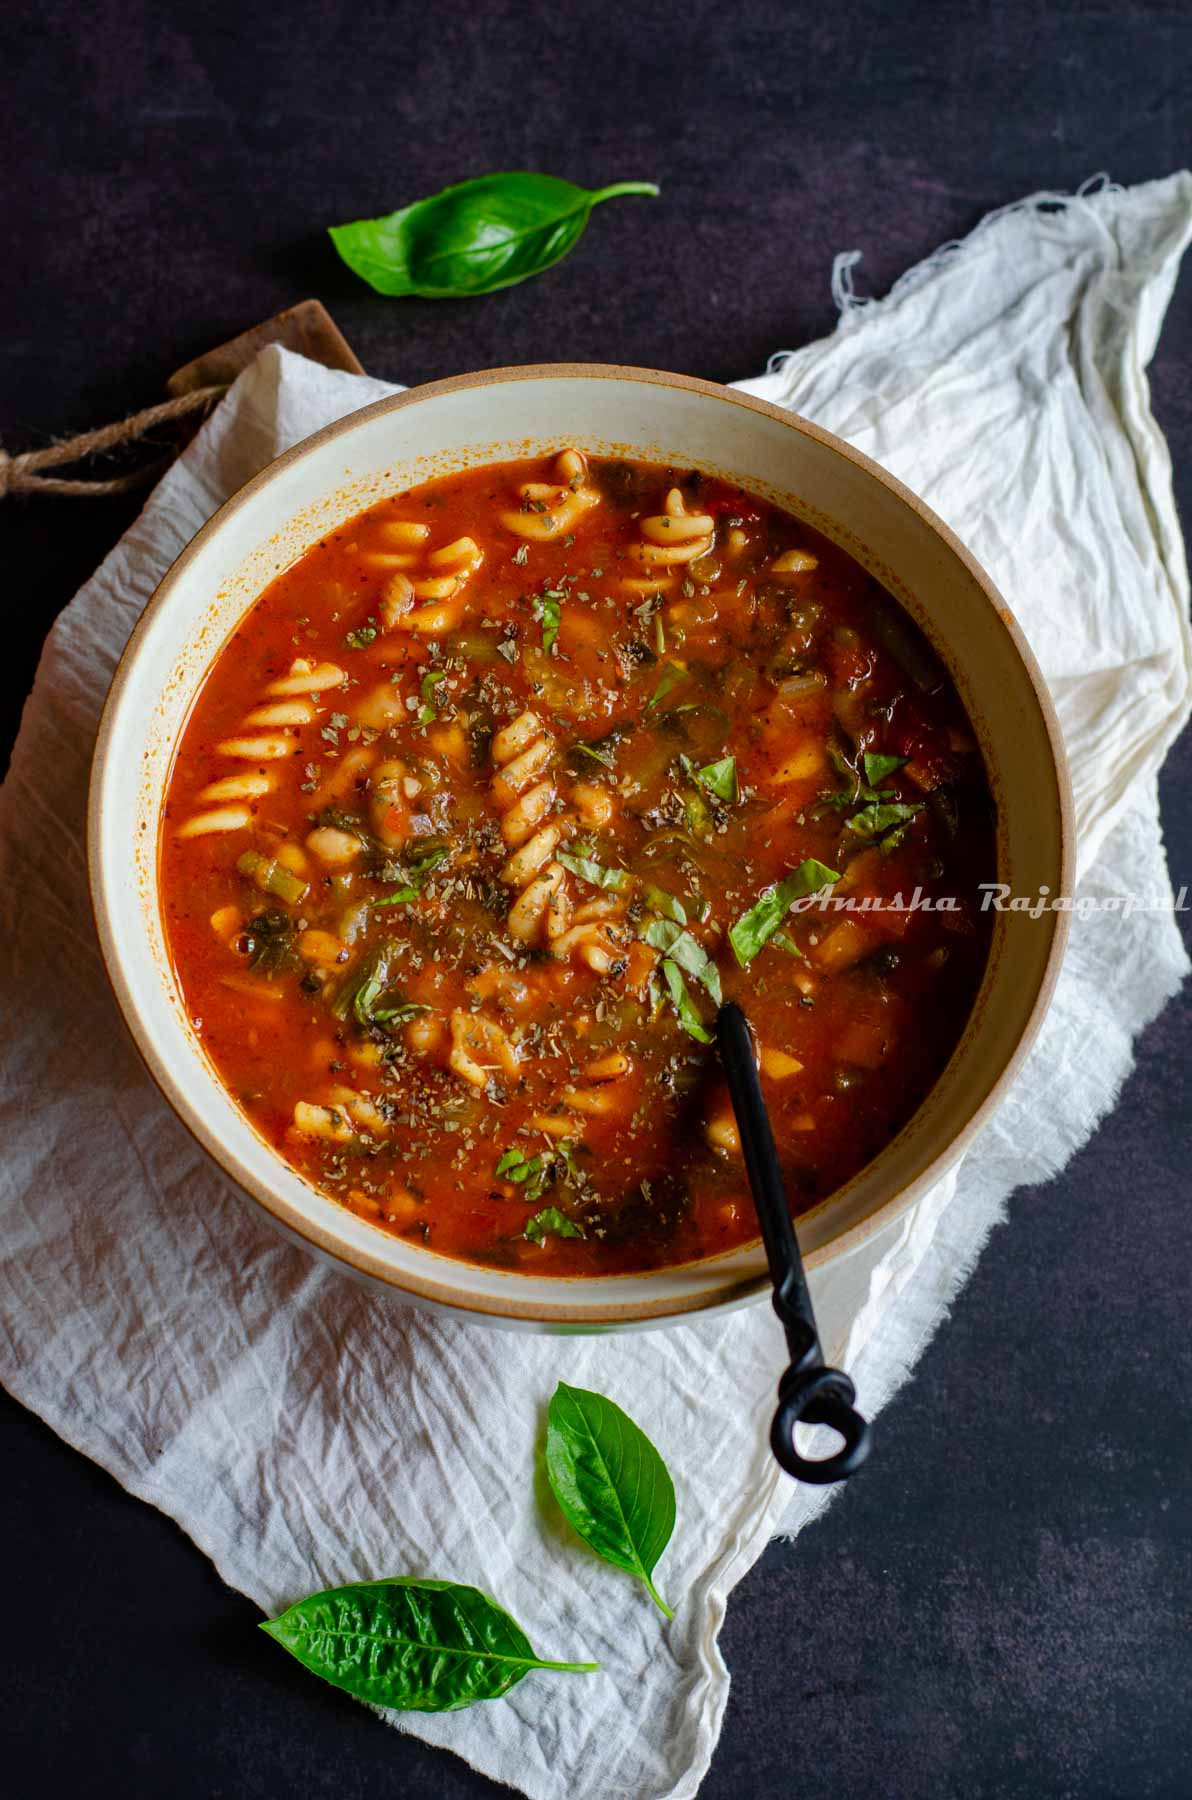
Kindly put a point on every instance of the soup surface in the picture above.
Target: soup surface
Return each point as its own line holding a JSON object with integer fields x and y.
{"x": 500, "y": 788}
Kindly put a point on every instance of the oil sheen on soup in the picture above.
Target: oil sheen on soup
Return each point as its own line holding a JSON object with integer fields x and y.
{"x": 495, "y": 794}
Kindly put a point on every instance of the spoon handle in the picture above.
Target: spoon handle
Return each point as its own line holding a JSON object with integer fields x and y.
{"x": 809, "y": 1392}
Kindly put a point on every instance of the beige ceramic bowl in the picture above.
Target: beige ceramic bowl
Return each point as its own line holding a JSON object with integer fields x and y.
{"x": 606, "y": 410}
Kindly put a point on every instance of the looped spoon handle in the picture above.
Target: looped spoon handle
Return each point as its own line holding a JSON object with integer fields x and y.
{"x": 809, "y": 1393}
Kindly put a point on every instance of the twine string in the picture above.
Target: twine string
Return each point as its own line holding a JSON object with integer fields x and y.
{"x": 22, "y": 474}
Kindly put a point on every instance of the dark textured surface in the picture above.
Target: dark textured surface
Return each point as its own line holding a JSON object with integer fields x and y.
{"x": 1000, "y": 1605}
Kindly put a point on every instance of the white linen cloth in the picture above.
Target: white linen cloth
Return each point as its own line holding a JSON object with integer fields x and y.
{"x": 304, "y": 1431}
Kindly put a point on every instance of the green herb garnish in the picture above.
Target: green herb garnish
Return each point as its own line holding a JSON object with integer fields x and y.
{"x": 755, "y": 928}
{"x": 475, "y": 237}
{"x": 595, "y": 872}
{"x": 673, "y": 676}
{"x": 430, "y": 682}
{"x": 550, "y": 1222}
{"x": 683, "y": 1004}
{"x": 878, "y": 766}
{"x": 720, "y": 778}
{"x": 661, "y": 902}
{"x": 682, "y": 948}
{"x": 361, "y": 639}
{"x": 613, "y": 1487}
{"x": 880, "y": 816}
{"x": 411, "y": 1644}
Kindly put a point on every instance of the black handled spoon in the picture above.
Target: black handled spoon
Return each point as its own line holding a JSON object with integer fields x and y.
{"x": 809, "y": 1392}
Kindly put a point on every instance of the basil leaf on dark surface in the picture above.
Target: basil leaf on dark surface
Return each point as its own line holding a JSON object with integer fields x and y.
{"x": 754, "y": 929}
{"x": 475, "y": 237}
{"x": 611, "y": 1483}
{"x": 413, "y": 1645}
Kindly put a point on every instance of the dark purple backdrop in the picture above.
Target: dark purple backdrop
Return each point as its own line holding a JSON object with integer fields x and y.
{"x": 1000, "y": 1605}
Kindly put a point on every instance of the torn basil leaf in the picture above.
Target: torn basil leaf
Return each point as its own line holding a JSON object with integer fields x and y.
{"x": 682, "y": 948}
{"x": 754, "y": 929}
{"x": 720, "y": 778}
{"x": 595, "y": 872}
{"x": 550, "y": 1222}
{"x": 683, "y": 1004}
{"x": 878, "y": 766}
{"x": 879, "y": 816}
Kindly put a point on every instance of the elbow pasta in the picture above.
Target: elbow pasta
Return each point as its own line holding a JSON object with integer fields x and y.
{"x": 483, "y": 811}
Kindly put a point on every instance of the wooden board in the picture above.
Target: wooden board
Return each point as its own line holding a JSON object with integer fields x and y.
{"x": 307, "y": 328}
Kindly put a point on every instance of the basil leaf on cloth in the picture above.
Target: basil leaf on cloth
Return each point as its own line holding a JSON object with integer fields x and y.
{"x": 475, "y": 237}
{"x": 611, "y": 1483}
{"x": 414, "y": 1645}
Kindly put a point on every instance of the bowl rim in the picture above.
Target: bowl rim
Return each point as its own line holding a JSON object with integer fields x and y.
{"x": 426, "y": 1289}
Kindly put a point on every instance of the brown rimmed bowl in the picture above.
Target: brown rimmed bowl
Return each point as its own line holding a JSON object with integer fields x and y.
{"x": 605, "y": 410}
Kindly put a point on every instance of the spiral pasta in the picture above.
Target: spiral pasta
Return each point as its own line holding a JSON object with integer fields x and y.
{"x": 670, "y": 540}
{"x": 549, "y": 510}
{"x": 424, "y": 591}
{"x": 268, "y": 736}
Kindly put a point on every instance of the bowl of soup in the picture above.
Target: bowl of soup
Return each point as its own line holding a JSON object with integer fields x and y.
{"x": 481, "y": 746}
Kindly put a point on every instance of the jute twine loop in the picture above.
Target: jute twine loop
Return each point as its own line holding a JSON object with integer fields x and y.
{"x": 22, "y": 474}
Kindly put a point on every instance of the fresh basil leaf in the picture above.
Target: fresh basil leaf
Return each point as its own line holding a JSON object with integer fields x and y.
{"x": 528, "y": 1172}
{"x": 399, "y": 897}
{"x": 611, "y": 1483}
{"x": 411, "y": 1645}
{"x": 666, "y": 904}
{"x": 475, "y": 237}
{"x": 720, "y": 778}
{"x": 430, "y": 682}
{"x": 595, "y": 872}
{"x": 676, "y": 987}
{"x": 682, "y": 948}
{"x": 879, "y": 765}
{"x": 548, "y": 606}
{"x": 418, "y": 864}
{"x": 401, "y": 1014}
{"x": 755, "y": 928}
{"x": 599, "y": 756}
{"x": 879, "y": 816}
{"x": 551, "y": 1222}
{"x": 785, "y": 941}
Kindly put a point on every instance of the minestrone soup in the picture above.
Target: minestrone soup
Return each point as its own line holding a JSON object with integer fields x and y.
{"x": 494, "y": 795}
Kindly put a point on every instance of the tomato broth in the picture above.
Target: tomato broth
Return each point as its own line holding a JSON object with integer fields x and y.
{"x": 500, "y": 788}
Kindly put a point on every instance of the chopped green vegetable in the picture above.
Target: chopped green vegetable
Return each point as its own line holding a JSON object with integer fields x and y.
{"x": 595, "y": 872}
{"x": 682, "y": 948}
{"x": 784, "y": 941}
{"x": 755, "y": 928}
{"x": 367, "y": 985}
{"x": 361, "y": 639}
{"x": 878, "y": 766}
{"x": 475, "y": 237}
{"x": 399, "y": 897}
{"x": 272, "y": 877}
{"x": 550, "y": 1222}
{"x": 683, "y": 1004}
{"x": 720, "y": 778}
